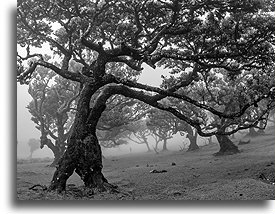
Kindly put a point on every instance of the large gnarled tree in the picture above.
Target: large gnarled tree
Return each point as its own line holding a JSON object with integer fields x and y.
{"x": 235, "y": 36}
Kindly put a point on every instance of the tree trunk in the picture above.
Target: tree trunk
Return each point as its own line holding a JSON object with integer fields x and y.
{"x": 83, "y": 154}
{"x": 252, "y": 132}
{"x": 261, "y": 129}
{"x": 85, "y": 158}
{"x": 227, "y": 147}
{"x": 148, "y": 147}
{"x": 156, "y": 146}
{"x": 57, "y": 156}
{"x": 57, "y": 149}
{"x": 210, "y": 140}
{"x": 164, "y": 147}
{"x": 30, "y": 157}
{"x": 193, "y": 146}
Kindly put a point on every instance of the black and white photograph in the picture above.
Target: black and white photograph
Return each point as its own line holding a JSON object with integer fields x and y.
{"x": 144, "y": 100}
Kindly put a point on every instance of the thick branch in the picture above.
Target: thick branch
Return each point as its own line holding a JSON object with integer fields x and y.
{"x": 168, "y": 93}
{"x": 148, "y": 99}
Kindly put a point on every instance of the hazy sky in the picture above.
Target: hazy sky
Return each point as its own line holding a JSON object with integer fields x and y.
{"x": 26, "y": 128}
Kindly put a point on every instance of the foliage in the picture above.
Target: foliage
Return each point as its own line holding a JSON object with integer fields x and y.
{"x": 138, "y": 132}
{"x": 230, "y": 36}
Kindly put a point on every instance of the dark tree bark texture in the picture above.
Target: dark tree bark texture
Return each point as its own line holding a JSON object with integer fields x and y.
{"x": 83, "y": 154}
{"x": 193, "y": 146}
{"x": 148, "y": 147}
{"x": 164, "y": 147}
{"x": 227, "y": 147}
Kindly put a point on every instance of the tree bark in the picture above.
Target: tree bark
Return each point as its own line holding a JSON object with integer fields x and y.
{"x": 193, "y": 146}
{"x": 57, "y": 149}
{"x": 83, "y": 154}
{"x": 148, "y": 147}
{"x": 164, "y": 147}
{"x": 57, "y": 155}
{"x": 227, "y": 147}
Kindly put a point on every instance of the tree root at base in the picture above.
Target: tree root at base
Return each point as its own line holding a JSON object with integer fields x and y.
{"x": 44, "y": 187}
{"x": 83, "y": 191}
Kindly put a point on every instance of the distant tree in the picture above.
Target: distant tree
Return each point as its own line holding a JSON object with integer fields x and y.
{"x": 157, "y": 140}
{"x": 271, "y": 117}
{"x": 112, "y": 138}
{"x": 160, "y": 124}
{"x": 34, "y": 145}
{"x": 52, "y": 109}
{"x": 229, "y": 94}
{"x": 191, "y": 135}
{"x": 138, "y": 132}
{"x": 117, "y": 120}
{"x": 177, "y": 125}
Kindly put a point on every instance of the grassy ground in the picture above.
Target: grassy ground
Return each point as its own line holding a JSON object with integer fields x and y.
{"x": 193, "y": 176}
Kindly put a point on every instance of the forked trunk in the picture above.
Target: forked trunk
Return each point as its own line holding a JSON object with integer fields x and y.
{"x": 85, "y": 158}
{"x": 83, "y": 154}
{"x": 227, "y": 147}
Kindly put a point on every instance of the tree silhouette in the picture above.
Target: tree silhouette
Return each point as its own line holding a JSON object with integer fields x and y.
{"x": 34, "y": 145}
{"x": 234, "y": 37}
{"x": 138, "y": 132}
{"x": 161, "y": 125}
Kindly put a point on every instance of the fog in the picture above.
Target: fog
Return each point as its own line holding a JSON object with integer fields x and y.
{"x": 26, "y": 128}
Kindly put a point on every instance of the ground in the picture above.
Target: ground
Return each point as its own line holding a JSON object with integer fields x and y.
{"x": 197, "y": 175}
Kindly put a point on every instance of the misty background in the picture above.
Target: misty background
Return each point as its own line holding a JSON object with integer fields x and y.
{"x": 26, "y": 128}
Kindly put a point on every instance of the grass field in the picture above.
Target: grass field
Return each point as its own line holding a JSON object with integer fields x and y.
{"x": 193, "y": 176}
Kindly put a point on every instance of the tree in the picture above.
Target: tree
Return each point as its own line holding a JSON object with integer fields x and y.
{"x": 138, "y": 132}
{"x": 236, "y": 36}
{"x": 271, "y": 117}
{"x": 229, "y": 94}
{"x": 176, "y": 124}
{"x": 192, "y": 136}
{"x": 118, "y": 120}
{"x": 34, "y": 145}
{"x": 52, "y": 109}
{"x": 160, "y": 124}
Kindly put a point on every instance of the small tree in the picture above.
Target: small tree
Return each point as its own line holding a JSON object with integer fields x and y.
{"x": 34, "y": 145}
{"x": 138, "y": 132}
{"x": 159, "y": 123}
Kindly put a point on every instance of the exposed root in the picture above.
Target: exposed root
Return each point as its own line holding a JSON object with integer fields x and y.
{"x": 44, "y": 187}
{"x": 92, "y": 192}
{"x": 230, "y": 152}
{"x": 267, "y": 178}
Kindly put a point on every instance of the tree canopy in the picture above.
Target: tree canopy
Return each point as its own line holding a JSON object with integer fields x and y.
{"x": 232, "y": 36}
